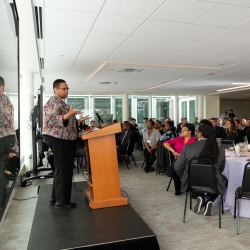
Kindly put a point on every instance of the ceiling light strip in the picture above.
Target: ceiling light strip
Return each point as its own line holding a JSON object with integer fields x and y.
{"x": 241, "y": 83}
{"x": 240, "y": 87}
{"x": 157, "y": 86}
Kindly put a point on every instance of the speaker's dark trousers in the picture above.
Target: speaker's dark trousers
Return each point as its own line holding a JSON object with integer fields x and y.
{"x": 64, "y": 152}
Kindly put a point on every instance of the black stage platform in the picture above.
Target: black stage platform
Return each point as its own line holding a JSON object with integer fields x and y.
{"x": 113, "y": 228}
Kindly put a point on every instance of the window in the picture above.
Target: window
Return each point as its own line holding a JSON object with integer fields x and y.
{"x": 103, "y": 107}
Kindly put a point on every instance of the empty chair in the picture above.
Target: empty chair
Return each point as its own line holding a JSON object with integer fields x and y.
{"x": 227, "y": 144}
{"x": 242, "y": 192}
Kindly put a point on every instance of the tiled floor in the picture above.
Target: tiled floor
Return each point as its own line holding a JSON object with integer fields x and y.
{"x": 161, "y": 210}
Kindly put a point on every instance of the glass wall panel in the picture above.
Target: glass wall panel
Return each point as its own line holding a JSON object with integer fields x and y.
{"x": 142, "y": 109}
{"x": 103, "y": 107}
{"x": 80, "y": 102}
{"x": 184, "y": 109}
{"x": 130, "y": 107}
{"x": 191, "y": 111}
{"x": 116, "y": 107}
{"x": 161, "y": 107}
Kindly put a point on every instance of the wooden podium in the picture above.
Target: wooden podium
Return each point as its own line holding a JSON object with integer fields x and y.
{"x": 104, "y": 190}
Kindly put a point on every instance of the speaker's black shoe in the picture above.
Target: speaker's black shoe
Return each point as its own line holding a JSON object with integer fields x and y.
{"x": 68, "y": 205}
{"x": 145, "y": 169}
{"x": 177, "y": 193}
{"x": 52, "y": 201}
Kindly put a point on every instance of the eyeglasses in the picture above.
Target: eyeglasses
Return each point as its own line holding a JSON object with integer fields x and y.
{"x": 64, "y": 89}
{"x": 185, "y": 130}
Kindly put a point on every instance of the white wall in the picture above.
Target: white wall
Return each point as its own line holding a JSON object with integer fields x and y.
{"x": 211, "y": 106}
{"x": 26, "y": 105}
{"x": 240, "y": 107}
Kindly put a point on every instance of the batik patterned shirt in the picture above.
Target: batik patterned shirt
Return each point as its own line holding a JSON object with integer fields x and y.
{"x": 7, "y": 126}
{"x": 53, "y": 124}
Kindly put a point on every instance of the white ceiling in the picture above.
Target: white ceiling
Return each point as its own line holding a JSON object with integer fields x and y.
{"x": 80, "y": 35}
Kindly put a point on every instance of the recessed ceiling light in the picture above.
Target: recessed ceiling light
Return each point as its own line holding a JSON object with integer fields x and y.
{"x": 109, "y": 83}
{"x": 157, "y": 86}
{"x": 233, "y": 88}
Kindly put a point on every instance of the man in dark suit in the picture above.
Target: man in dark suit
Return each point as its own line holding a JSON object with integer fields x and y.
{"x": 123, "y": 140}
{"x": 219, "y": 131}
{"x": 206, "y": 147}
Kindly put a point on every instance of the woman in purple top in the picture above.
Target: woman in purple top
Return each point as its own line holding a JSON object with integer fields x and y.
{"x": 176, "y": 145}
{"x": 60, "y": 133}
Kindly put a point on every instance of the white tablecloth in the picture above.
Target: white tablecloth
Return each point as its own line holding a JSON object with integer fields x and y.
{"x": 234, "y": 170}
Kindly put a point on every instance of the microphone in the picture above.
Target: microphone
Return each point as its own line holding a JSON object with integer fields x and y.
{"x": 99, "y": 117}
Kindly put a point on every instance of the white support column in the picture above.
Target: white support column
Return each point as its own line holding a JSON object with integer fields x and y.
{"x": 125, "y": 107}
{"x": 150, "y": 108}
{"x": 176, "y": 109}
{"x": 199, "y": 107}
{"x": 26, "y": 105}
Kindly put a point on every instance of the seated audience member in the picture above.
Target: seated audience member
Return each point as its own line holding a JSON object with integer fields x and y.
{"x": 181, "y": 125}
{"x": 219, "y": 122}
{"x": 224, "y": 122}
{"x": 166, "y": 120}
{"x": 240, "y": 132}
{"x": 176, "y": 145}
{"x": 124, "y": 138}
{"x": 219, "y": 131}
{"x": 243, "y": 123}
{"x": 158, "y": 126}
{"x": 248, "y": 135}
{"x": 163, "y": 160}
{"x": 205, "y": 121}
{"x": 42, "y": 147}
{"x": 170, "y": 131}
{"x": 196, "y": 121}
{"x": 247, "y": 125}
{"x": 118, "y": 134}
{"x": 150, "y": 139}
{"x": 92, "y": 126}
{"x": 135, "y": 130}
{"x": 231, "y": 132}
{"x": 144, "y": 126}
{"x": 82, "y": 126}
{"x": 206, "y": 147}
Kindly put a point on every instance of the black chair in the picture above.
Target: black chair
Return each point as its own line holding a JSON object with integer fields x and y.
{"x": 242, "y": 192}
{"x": 202, "y": 175}
{"x": 168, "y": 173}
{"x": 226, "y": 144}
{"x": 128, "y": 153}
{"x": 130, "y": 149}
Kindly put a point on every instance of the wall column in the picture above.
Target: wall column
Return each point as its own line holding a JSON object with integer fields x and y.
{"x": 125, "y": 107}
{"x": 26, "y": 105}
{"x": 176, "y": 110}
{"x": 199, "y": 107}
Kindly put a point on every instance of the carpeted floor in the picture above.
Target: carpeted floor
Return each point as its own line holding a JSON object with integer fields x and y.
{"x": 161, "y": 210}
